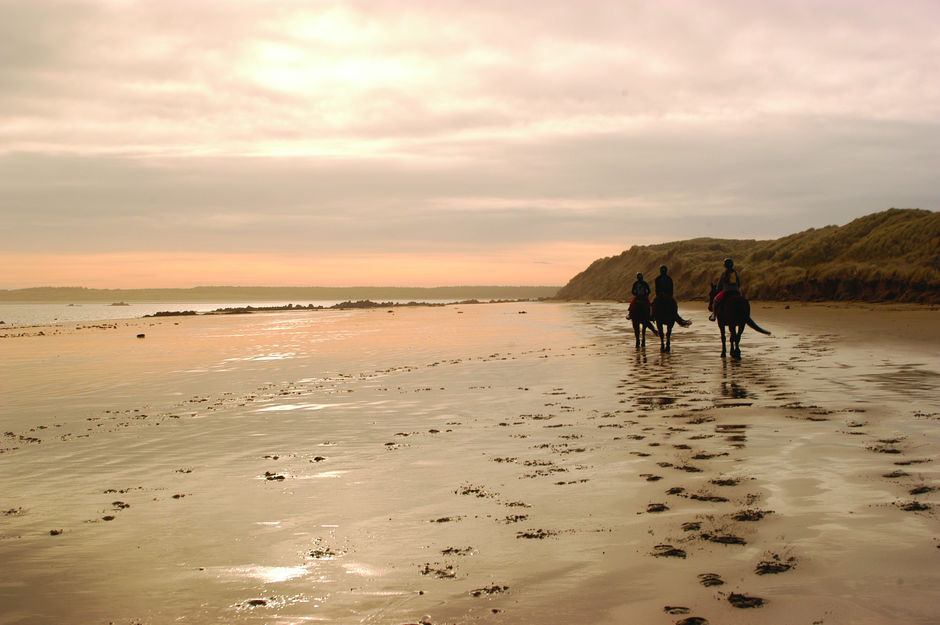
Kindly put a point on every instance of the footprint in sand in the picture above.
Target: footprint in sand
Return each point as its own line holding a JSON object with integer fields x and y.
{"x": 675, "y": 609}
{"x": 710, "y": 579}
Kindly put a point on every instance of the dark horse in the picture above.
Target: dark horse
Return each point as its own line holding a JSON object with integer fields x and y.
{"x": 666, "y": 313}
{"x": 733, "y": 311}
{"x": 640, "y": 316}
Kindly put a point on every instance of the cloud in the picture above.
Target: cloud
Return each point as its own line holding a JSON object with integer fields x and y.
{"x": 250, "y": 77}
{"x": 277, "y": 126}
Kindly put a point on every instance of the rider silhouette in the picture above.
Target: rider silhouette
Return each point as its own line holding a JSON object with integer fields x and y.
{"x": 663, "y": 282}
{"x": 640, "y": 290}
{"x": 665, "y": 287}
{"x": 728, "y": 282}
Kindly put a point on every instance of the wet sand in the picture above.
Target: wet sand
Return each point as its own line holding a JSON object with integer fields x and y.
{"x": 504, "y": 463}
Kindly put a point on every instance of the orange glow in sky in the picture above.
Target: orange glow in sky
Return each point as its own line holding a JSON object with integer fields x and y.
{"x": 554, "y": 266}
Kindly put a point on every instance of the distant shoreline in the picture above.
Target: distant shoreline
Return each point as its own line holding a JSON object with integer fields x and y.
{"x": 80, "y": 295}
{"x": 347, "y": 305}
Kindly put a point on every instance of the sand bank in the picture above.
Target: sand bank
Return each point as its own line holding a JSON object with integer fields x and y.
{"x": 510, "y": 463}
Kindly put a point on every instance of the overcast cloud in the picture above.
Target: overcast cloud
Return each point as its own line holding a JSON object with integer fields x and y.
{"x": 528, "y": 137}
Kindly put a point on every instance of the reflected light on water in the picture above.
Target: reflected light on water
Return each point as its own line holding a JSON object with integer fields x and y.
{"x": 358, "y": 568}
{"x": 285, "y": 407}
{"x": 269, "y": 574}
{"x": 257, "y": 357}
{"x": 324, "y": 475}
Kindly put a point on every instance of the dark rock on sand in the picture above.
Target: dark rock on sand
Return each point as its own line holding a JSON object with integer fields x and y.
{"x": 883, "y": 449}
{"x": 774, "y": 566}
{"x": 896, "y": 474}
{"x": 914, "y": 506}
{"x": 724, "y": 539}
{"x": 667, "y": 551}
{"x": 536, "y": 534}
{"x": 448, "y": 572}
{"x": 488, "y": 590}
{"x": 744, "y": 601}
{"x": 325, "y": 553}
{"x": 751, "y": 515}
{"x": 705, "y": 497}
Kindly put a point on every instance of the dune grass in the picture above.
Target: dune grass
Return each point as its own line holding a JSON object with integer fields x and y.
{"x": 893, "y": 255}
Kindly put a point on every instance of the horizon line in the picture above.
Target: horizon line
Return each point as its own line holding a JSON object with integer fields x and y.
{"x": 261, "y": 286}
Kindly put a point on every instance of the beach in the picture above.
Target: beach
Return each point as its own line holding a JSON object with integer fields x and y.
{"x": 492, "y": 463}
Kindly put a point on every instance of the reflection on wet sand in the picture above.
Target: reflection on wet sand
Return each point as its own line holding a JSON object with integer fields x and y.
{"x": 489, "y": 467}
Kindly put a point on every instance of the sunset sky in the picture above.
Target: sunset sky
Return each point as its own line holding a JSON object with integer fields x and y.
{"x": 439, "y": 142}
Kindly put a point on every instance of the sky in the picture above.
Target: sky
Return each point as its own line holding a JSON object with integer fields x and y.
{"x": 442, "y": 142}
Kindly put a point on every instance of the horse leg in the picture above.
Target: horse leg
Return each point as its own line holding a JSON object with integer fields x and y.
{"x": 668, "y": 335}
{"x": 643, "y": 333}
{"x": 722, "y": 328}
{"x": 636, "y": 332}
{"x": 736, "y": 342}
{"x": 662, "y": 341}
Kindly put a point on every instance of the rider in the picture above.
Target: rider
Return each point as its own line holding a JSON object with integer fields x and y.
{"x": 663, "y": 282}
{"x": 664, "y": 287}
{"x": 640, "y": 290}
{"x": 728, "y": 282}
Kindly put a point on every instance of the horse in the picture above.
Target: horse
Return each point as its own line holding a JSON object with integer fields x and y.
{"x": 666, "y": 313}
{"x": 639, "y": 314}
{"x": 733, "y": 312}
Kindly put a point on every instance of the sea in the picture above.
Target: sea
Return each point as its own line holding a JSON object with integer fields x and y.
{"x": 14, "y": 315}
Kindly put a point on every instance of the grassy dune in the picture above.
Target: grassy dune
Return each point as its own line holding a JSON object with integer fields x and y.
{"x": 893, "y": 255}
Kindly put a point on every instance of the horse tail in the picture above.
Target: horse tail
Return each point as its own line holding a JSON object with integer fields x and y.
{"x": 750, "y": 322}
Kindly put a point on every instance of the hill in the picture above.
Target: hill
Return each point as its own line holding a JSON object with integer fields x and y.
{"x": 893, "y": 255}
{"x": 270, "y": 294}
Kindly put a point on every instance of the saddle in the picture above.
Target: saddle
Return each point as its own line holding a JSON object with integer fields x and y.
{"x": 637, "y": 306}
{"x": 728, "y": 298}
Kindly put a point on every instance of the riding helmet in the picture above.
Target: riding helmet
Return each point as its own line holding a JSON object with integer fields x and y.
{"x": 639, "y": 276}
{"x": 729, "y": 263}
